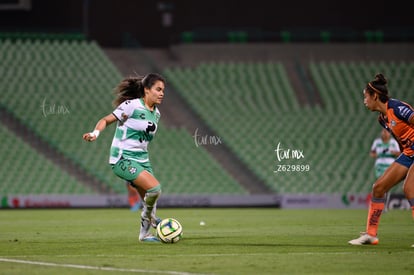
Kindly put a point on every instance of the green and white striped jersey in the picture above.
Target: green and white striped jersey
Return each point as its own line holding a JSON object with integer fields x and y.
{"x": 384, "y": 151}
{"x": 136, "y": 127}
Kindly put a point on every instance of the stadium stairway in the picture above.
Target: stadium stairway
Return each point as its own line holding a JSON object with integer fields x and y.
{"x": 59, "y": 159}
{"x": 38, "y": 93}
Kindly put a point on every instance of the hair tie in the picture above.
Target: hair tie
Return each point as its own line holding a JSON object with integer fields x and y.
{"x": 375, "y": 89}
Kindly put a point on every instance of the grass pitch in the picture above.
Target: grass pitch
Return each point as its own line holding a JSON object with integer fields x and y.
{"x": 232, "y": 241}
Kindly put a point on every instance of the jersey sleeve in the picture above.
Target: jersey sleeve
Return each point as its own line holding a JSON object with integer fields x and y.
{"x": 124, "y": 111}
{"x": 402, "y": 110}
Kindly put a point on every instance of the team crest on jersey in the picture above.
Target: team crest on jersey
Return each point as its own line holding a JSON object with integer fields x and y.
{"x": 124, "y": 117}
{"x": 132, "y": 170}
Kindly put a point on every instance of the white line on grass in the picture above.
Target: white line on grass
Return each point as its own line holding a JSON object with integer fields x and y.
{"x": 371, "y": 252}
{"x": 97, "y": 267}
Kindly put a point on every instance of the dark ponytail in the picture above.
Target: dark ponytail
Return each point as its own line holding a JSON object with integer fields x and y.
{"x": 133, "y": 87}
{"x": 129, "y": 88}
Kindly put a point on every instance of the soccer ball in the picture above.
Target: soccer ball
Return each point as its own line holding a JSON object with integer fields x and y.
{"x": 169, "y": 230}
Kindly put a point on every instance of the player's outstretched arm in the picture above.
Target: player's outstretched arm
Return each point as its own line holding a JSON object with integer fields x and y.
{"x": 100, "y": 126}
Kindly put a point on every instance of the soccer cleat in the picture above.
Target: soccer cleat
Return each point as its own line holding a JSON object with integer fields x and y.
{"x": 144, "y": 234}
{"x": 364, "y": 239}
{"x": 145, "y": 228}
{"x": 149, "y": 239}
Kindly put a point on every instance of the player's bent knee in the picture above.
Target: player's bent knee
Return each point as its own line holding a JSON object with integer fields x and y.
{"x": 408, "y": 190}
{"x": 378, "y": 190}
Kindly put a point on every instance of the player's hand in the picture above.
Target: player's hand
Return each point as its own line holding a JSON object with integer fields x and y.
{"x": 89, "y": 137}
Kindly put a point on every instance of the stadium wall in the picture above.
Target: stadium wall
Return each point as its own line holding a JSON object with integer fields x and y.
{"x": 285, "y": 201}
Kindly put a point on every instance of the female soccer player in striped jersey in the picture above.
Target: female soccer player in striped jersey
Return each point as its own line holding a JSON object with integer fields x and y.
{"x": 137, "y": 117}
{"x": 398, "y": 118}
{"x": 384, "y": 150}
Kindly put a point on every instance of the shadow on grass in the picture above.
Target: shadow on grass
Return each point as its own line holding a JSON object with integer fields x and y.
{"x": 234, "y": 241}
